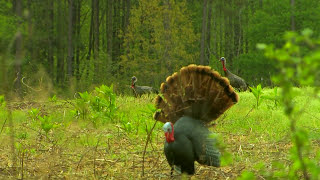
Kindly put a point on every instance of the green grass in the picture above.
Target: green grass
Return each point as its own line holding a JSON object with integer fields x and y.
{"x": 77, "y": 148}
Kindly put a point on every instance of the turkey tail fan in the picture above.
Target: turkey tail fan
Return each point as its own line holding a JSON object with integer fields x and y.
{"x": 195, "y": 91}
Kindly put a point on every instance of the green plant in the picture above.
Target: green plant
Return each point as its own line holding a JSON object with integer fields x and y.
{"x": 82, "y": 105}
{"x": 46, "y": 123}
{"x": 34, "y": 114}
{"x": 274, "y": 97}
{"x": 98, "y": 106}
{"x": 2, "y": 102}
{"x": 105, "y": 101}
{"x": 53, "y": 98}
{"x": 298, "y": 61}
{"x": 257, "y": 92}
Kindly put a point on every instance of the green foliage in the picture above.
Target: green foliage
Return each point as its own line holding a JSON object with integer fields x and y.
{"x": 34, "y": 114}
{"x": 53, "y": 99}
{"x": 2, "y": 102}
{"x": 98, "y": 106}
{"x": 299, "y": 61}
{"x": 46, "y": 123}
{"x": 274, "y": 97}
{"x": 254, "y": 68}
{"x": 257, "y": 92}
{"x": 160, "y": 39}
{"x": 246, "y": 175}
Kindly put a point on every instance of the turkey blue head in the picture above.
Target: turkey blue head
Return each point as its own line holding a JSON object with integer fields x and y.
{"x": 168, "y": 131}
{"x": 223, "y": 61}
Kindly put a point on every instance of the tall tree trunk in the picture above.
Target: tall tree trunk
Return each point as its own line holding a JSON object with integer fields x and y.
{"x": 215, "y": 34}
{"x": 77, "y": 44}
{"x": 18, "y": 58}
{"x": 230, "y": 30}
{"x": 128, "y": 6}
{"x": 60, "y": 55}
{"x": 70, "y": 56}
{"x": 237, "y": 29}
{"x": 245, "y": 34}
{"x": 90, "y": 42}
{"x": 293, "y": 24}
{"x": 96, "y": 38}
{"x": 226, "y": 32}
{"x": 166, "y": 59}
{"x": 203, "y": 32}
{"x": 117, "y": 25}
{"x": 221, "y": 30}
{"x": 50, "y": 37}
{"x": 208, "y": 48}
{"x": 110, "y": 29}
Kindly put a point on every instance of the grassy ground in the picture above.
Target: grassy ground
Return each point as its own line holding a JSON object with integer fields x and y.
{"x": 89, "y": 148}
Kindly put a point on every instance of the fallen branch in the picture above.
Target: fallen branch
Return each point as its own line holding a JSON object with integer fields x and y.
{"x": 145, "y": 147}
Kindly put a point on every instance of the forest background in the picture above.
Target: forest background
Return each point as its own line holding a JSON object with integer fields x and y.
{"x": 67, "y": 46}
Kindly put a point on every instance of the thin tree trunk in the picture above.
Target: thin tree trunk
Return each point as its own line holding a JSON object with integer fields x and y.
{"x": 60, "y": 47}
{"x": 226, "y": 33}
{"x": 166, "y": 59}
{"x": 18, "y": 58}
{"x": 237, "y": 30}
{"x": 230, "y": 31}
{"x": 70, "y": 56}
{"x": 110, "y": 29}
{"x": 96, "y": 38}
{"x": 245, "y": 34}
{"x": 117, "y": 25}
{"x": 90, "y": 42}
{"x": 128, "y": 6}
{"x": 220, "y": 30}
{"x": 77, "y": 44}
{"x": 50, "y": 37}
{"x": 208, "y": 48}
{"x": 203, "y": 32}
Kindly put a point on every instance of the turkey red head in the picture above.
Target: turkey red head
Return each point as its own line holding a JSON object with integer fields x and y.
{"x": 133, "y": 81}
{"x": 168, "y": 131}
{"x": 223, "y": 61}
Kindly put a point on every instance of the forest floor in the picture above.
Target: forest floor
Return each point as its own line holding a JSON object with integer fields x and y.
{"x": 79, "y": 148}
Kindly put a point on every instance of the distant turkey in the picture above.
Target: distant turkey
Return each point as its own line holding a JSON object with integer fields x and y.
{"x": 235, "y": 81}
{"x": 191, "y": 99}
{"x": 139, "y": 90}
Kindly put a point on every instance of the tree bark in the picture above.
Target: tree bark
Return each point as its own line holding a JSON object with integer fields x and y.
{"x": 96, "y": 38}
{"x": 60, "y": 46}
{"x": 18, "y": 56}
{"x": 203, "y": 33}
{"x": 77, "y": 44}
{"x": 208, "y": 48}
{"x": 221, "y": 30}
{"x": 110, "y": 29}
{"x": 50, "y": 37}
{"x": 70, "y": 56}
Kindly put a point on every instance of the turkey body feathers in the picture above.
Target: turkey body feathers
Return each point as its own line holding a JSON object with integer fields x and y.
{"x": 236, "y": 81}
{"x": 195, "y": 91}
{"x": 192, "y": 142}
{"x": 140, "y": 90}
{"x": 192, "y": 98}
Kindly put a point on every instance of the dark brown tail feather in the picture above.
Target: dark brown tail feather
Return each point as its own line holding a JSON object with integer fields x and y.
{"x": 195, "y": 91}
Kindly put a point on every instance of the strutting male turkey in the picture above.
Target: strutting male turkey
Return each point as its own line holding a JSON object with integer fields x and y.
{"x": 139, "y": 90}
{"x": 191, "y": 99}
{"x": 235, "y": 81}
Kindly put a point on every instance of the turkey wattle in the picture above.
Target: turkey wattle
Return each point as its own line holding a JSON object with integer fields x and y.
{"x": 235, "y": 81}
{"x": 193, "y": 98}
{"x": 139, "y": 90}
